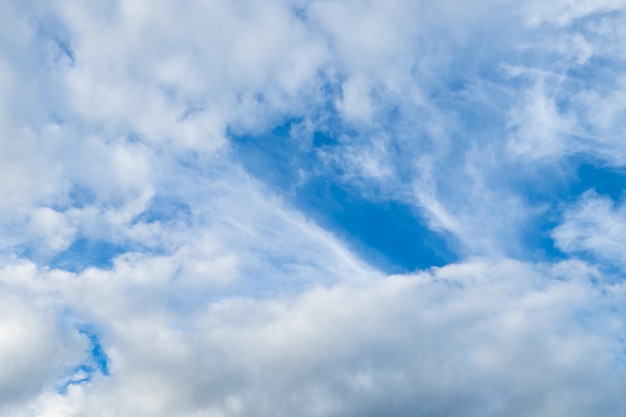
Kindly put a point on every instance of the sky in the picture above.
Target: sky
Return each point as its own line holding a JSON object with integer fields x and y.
{"x": 313, "y": 208}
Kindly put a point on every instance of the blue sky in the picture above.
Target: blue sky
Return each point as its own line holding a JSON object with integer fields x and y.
{"x": 312, "y": 208}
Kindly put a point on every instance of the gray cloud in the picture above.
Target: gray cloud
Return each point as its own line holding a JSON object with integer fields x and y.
{"x": 478, "y": 338}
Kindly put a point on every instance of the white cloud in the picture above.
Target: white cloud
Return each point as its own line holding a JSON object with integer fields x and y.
{"x": 37, "y": 344}
{"x": 51, "y": 229}
{"x": 356, "y": 102}
{"x": 594, "y": 225}
{"x": 576, "y": 99}
{"x": 563, "y": 12}
{"x": 479, "y": 338}
{"x": 540, "y": 129}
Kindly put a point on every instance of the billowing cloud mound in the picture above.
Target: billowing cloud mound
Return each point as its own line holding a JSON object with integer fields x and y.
{"x": 312, "y": 208}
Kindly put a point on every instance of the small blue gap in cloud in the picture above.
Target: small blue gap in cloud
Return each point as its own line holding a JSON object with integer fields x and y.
{"x": 85, "y": 253}
{"x": 133, "y": 137}
{"x": 82, "y": 196}
{"x": 97, "y": 354}
{"x": 300, "y": 13}
{"x": 66, "y": 48}
{"x": 78, "y": 197}
{"x": 163, "y": 209}
{"x": 96, "y": 361}
{"x": 79, "y": 375}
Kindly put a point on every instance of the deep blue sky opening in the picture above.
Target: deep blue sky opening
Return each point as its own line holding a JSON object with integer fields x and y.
{"x": 386, "y": 233}
{"x": 84, "y": 253}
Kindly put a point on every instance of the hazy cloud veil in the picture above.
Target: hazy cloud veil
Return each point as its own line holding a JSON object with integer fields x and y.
{"x": 312, "y": 208}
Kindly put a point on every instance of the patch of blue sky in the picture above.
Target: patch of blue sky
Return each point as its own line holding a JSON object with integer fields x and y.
{"x": 81, "y": 196}
{"x": 165, "y": 209}
{"x": 78, "y": 197}
{"x": 386, "y": 233}
{"x": 95, "y": 363}
{"x": 275, "y": 158}
{"x": 539, "y": 246}
{"x": 84, "y": 253}
{"x": 321, "y": 139}
{"x": 536, "y": 241}
{"x": 606, "y": 181}
{"x": 80, "y": 374}
{"x": 97, "y": 355}
{"x": 550, "y": 189}
{"x": 567, "y": 181}
{"x": 389, "y": 233}
{"x": 133, "y": 137}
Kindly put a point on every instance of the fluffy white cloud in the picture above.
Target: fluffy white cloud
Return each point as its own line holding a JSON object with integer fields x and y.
{"x": 478, "y": 338}
{"x": 38, "y": 345}
{"x": 594, "y": 225}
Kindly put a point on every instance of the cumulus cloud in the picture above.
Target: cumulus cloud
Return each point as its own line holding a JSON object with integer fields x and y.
{"x": 38, "y": 344}
{"x": 470, "y": 339}
{"x": 594, "y": 225}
